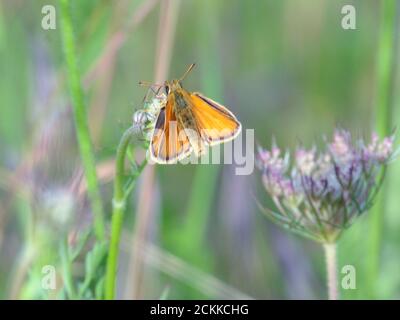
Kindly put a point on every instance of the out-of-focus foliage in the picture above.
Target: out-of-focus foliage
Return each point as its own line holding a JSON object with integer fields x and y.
{"x": 286, "y": 68}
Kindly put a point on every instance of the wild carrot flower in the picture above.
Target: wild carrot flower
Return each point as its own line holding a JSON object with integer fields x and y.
{"x": 319, "y": 195}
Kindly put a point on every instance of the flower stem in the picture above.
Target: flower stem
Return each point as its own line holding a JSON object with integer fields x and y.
{"x": 118, "y": 205}
{"x": 331, "y": 270}
{"x": 80, "y": 117}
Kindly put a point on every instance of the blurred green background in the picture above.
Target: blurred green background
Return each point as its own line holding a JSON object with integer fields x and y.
{"x": 287, "y": 69}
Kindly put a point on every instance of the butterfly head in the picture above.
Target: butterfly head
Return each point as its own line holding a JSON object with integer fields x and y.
{"x": 175, "y": 85}
{"x": 172, "y": 86}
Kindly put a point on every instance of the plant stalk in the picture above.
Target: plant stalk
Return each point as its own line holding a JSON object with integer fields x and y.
{"x": 118, "y": 206}
{"x": 80, "y": 117}
{"x": 331, "y": 270}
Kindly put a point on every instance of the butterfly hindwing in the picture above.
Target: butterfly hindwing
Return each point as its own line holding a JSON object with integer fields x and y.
{"x": 169, "y": 142}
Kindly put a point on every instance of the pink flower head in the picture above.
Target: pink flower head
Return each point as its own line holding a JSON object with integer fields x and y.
{"x": 320, "y": 194}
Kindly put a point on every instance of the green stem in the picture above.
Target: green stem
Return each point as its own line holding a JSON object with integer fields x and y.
{"x": 385, "y": 69}
{"x": 80, "y": 117}
{"x": 67, "y": 270}
{"x": 118, "y": 205}
{"x": 331, "y": 270}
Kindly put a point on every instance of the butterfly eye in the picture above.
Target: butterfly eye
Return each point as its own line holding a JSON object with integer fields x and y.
{"x": 167, "y": 89}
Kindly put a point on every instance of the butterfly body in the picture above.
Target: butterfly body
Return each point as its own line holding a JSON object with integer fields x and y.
{"x": 180, "y": 102}
{"x": 188, "y": 123}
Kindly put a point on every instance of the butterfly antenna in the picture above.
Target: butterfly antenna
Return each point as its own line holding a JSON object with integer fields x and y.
{"x": 149, "y": 84}
{"x": 187, "y": 71}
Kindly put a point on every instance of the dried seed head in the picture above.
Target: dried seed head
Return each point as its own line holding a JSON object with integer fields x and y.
{"x": 145, "y": 119}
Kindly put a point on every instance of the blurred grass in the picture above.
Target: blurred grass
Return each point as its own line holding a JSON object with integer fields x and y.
{"x": 81, "y": 120}
{"x": 67, "y": 271}
{"x": 204, "y": 183}
{"x": 383, "y": 114}
{"x": 286, "y": 68}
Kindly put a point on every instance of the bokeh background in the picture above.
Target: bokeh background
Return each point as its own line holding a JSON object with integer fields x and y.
{"x": 286, "y": 68}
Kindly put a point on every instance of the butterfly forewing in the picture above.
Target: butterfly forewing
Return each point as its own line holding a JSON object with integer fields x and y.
{"x": 216, "y": 123}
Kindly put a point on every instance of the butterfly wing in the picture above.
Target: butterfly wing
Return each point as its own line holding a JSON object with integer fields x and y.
{"x": 169, "y": 141}
{"x": 215, "y": 122}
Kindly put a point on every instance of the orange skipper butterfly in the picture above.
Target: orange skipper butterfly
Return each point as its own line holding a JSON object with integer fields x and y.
{"x": 188, "y": 122}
